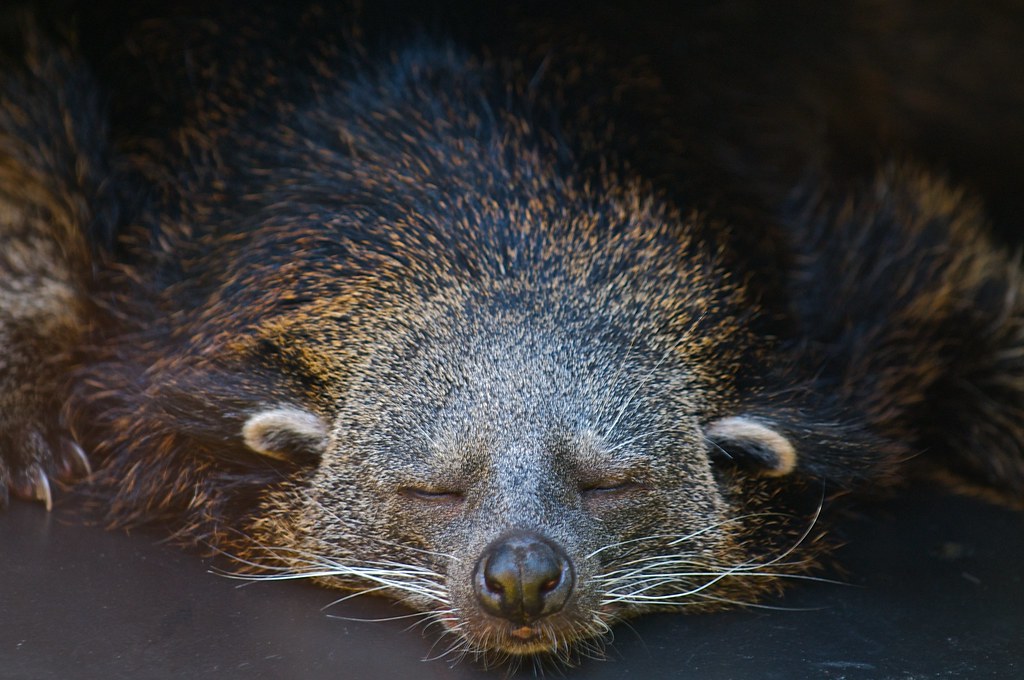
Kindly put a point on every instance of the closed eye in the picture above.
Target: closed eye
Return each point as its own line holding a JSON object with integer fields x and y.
{"x": 432, "y": 495}
{"x": 609, "y": 487}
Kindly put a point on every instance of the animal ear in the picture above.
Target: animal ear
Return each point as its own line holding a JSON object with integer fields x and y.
{"x": 286, "y": 433}
{"x": 753, "y": 443}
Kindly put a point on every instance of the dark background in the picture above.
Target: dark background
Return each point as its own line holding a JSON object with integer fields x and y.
{"x": 935, "y": 582}
{"x": 935, "y": 591}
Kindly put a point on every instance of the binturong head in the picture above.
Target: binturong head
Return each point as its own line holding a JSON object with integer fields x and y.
{"x": 516, "y": 390}
{"x": 532, "y": 444}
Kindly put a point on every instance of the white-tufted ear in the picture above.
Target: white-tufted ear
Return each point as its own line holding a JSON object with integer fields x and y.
{"x": 752, "y": 442}
{"x": 285, "y": 433}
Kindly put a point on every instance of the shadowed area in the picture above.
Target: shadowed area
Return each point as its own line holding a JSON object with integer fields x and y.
{"x": 936, "y": 592}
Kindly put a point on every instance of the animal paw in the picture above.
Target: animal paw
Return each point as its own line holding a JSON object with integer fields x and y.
{"x": 32, "y": 456}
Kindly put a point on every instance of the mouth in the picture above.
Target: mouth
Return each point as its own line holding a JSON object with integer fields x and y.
{"x": 524, "y": 633}
{"x": 527, "y": 639}
{"x": 542, "y": 638}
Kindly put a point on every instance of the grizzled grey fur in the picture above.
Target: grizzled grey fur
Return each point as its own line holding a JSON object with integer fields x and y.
{"x": 510, "y": 329}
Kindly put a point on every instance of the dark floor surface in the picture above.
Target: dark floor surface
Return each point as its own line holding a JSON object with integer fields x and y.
{"x": 937, "y": 591}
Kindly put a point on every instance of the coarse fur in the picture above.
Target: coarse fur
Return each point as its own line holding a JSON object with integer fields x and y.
{"x": 349, "y": 298}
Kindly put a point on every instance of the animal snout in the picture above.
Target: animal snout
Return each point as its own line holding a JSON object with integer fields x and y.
{"x": 522, "y": 577}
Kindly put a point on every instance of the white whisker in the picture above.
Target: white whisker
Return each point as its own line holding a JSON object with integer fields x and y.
{"x": 401, "y": 617}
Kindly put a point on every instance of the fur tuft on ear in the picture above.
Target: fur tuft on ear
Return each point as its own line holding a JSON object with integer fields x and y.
{"x": 285, "y": 433}
{"x": 750, "y": 441}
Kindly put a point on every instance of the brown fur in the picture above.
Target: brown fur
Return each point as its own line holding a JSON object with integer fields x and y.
{"x": 366, "y": 311}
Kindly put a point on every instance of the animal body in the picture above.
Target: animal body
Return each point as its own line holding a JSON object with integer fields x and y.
{"x": 504, "y": 324}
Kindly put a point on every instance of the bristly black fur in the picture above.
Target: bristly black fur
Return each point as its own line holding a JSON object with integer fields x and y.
{"x": 352, "y": 290}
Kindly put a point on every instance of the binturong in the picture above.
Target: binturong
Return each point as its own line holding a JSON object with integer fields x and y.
{"x": 461, "y": 325}
{"x": 528, "y": 364}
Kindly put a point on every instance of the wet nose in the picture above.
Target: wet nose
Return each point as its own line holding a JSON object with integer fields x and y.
{"x": 522, "y": 577}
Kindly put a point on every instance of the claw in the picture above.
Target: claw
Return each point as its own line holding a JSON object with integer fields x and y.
{"x": 42, "y": 488}
{"x": 78, "y": 463}
{"x": 33, "y": 484}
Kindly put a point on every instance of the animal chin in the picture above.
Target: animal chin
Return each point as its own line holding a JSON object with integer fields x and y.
{"x": 526, "y": 641}
{"x": 530, "y": 639}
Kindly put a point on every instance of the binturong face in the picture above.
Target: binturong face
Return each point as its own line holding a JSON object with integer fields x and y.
{"x": 530, "y": 459}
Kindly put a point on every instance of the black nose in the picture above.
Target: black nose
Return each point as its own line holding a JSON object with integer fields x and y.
{"x": 522, "y": 577}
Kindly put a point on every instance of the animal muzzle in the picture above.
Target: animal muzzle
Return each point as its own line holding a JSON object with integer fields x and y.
{"x": 522, "y": 577}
